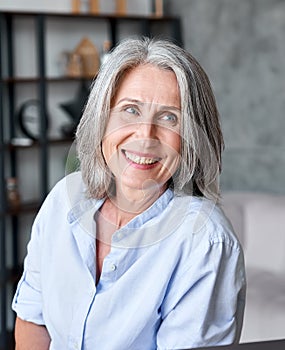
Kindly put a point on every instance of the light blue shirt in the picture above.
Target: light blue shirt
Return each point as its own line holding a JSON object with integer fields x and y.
{"x": 174, "y": 278}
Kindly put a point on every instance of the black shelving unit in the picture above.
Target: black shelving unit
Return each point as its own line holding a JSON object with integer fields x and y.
{"x": 9, "y": 217}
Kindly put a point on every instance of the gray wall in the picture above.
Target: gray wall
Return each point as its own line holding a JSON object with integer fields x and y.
{"x": 241, "y": 45}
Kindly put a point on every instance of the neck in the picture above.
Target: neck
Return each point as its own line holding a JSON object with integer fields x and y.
{"x": 128, "y": 203}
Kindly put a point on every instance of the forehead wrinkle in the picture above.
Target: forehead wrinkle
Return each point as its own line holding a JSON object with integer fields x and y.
{"x": 151, "y": 84}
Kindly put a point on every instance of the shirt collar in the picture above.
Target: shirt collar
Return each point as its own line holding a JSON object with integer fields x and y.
{"x": 86, "y": 205}
{"x": 157, "y": 207}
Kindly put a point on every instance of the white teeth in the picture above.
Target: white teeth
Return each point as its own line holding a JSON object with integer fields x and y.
{"x": 140, "y": 160}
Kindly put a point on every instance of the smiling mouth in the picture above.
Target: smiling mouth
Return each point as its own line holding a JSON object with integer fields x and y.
{"x": 141, "y": 160}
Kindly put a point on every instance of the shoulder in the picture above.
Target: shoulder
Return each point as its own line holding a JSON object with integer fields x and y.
{"x": 69, "y": 185}
{"x": 63, "y": 197}
{"x": 68, "y": 191}
{"x": 203, "y": 220}
{"x": 204, "y": 239}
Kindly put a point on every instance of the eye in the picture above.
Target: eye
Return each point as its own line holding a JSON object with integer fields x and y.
{"x": 168, "y": 118}
{"x": 132, "y": 110}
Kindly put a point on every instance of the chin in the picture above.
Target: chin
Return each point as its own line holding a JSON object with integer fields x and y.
{"x": 147, "y": 184}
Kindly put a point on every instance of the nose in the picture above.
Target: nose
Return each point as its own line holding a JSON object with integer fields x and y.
{"x": 146, "y": 130}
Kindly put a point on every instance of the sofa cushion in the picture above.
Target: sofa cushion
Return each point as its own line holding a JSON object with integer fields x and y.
{"x": 265, "y": 233}
{"x": 259, "y": 221}
{"x": 264, "y": 317}
{"x": 233, "y": 205}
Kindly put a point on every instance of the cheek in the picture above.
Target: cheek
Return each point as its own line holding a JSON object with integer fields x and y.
{"x": 110, "y": 144}
{"x": 116, "y": 134}
{"x": 107, "y": 146}
{"x": 173, "y": 142}
{"x": 172, "y": 147}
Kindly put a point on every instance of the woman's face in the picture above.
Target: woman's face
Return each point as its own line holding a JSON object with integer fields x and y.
{"x": 142, "y": 142}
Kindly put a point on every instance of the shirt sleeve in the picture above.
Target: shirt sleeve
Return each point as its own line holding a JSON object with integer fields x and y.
{"x": 205, "y": 305}
{"x": 27, "y": 301}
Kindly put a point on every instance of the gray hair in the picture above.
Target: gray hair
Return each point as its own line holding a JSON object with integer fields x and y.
{"x": 201, "y": 135}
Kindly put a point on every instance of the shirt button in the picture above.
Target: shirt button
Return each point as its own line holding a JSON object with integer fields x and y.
{"x": 113, "y": 267}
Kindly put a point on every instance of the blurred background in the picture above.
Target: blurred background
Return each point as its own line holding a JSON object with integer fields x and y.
{"x": 50, "y": 51}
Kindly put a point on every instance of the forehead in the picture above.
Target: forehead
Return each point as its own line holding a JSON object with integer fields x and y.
{"x": 149, "y": 84}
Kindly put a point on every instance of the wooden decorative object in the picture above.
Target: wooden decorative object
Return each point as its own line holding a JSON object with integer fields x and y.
{"x": 89, "y": 57}
{"x": 94, "y": 6}
{"x": 13, "y": 195}
{"x": 158, "y": 9}
{"x": 76, "y": 4}
{"x": 74, "y": 65}
{"x": 121, "y": 7}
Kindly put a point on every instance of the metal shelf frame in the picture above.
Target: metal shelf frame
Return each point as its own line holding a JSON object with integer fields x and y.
{"x": 9, "y": 152}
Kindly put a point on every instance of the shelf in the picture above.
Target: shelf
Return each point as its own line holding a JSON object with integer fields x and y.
{"x": 32, "y": 80}
{"x": 104, "y": 16}
{"x": 24, "y": 208}
{"x": 35, "y": 144}
{"x": 60, "y": 141}
{"x": 37, "y": 83}
{"x": 28, "y": 207}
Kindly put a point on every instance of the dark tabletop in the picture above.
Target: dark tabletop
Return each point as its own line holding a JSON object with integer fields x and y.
{"x": 264, "y": 345}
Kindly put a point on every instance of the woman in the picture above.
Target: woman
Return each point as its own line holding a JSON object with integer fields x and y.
{"x": 133, "y": 252}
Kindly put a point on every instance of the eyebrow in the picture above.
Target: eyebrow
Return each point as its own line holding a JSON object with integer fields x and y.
{"x": 132, "y": 100}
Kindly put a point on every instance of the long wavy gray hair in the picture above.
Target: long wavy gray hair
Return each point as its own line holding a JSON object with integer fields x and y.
{"x": 201, "y": 136}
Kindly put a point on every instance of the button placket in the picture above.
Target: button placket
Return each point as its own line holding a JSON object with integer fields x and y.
{"x": 110, "y": 268}
{"x": 76, "y": 345}
{"x": 73, "y": 344}
{"x": 80, "y": 314}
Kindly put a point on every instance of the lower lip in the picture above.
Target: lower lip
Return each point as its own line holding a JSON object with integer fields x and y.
{"x": 141, "y": 166}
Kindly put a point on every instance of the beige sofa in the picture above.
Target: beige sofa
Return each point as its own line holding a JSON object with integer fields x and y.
{"x": 259, "y": 221}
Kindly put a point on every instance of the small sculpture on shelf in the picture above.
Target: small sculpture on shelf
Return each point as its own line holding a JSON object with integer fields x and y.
{"x": 29, "y": 118}
{"x": 158, "y": 8}
{"x": 73, "y": 64}
{"x": 121, "y": 7}
{"x": 84, "y": 61}
{"x": 83, "y": 6}
{"x": 89, "y": 57}
{"x": 13, "y": 195}
{"x": 93, "y": 6}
